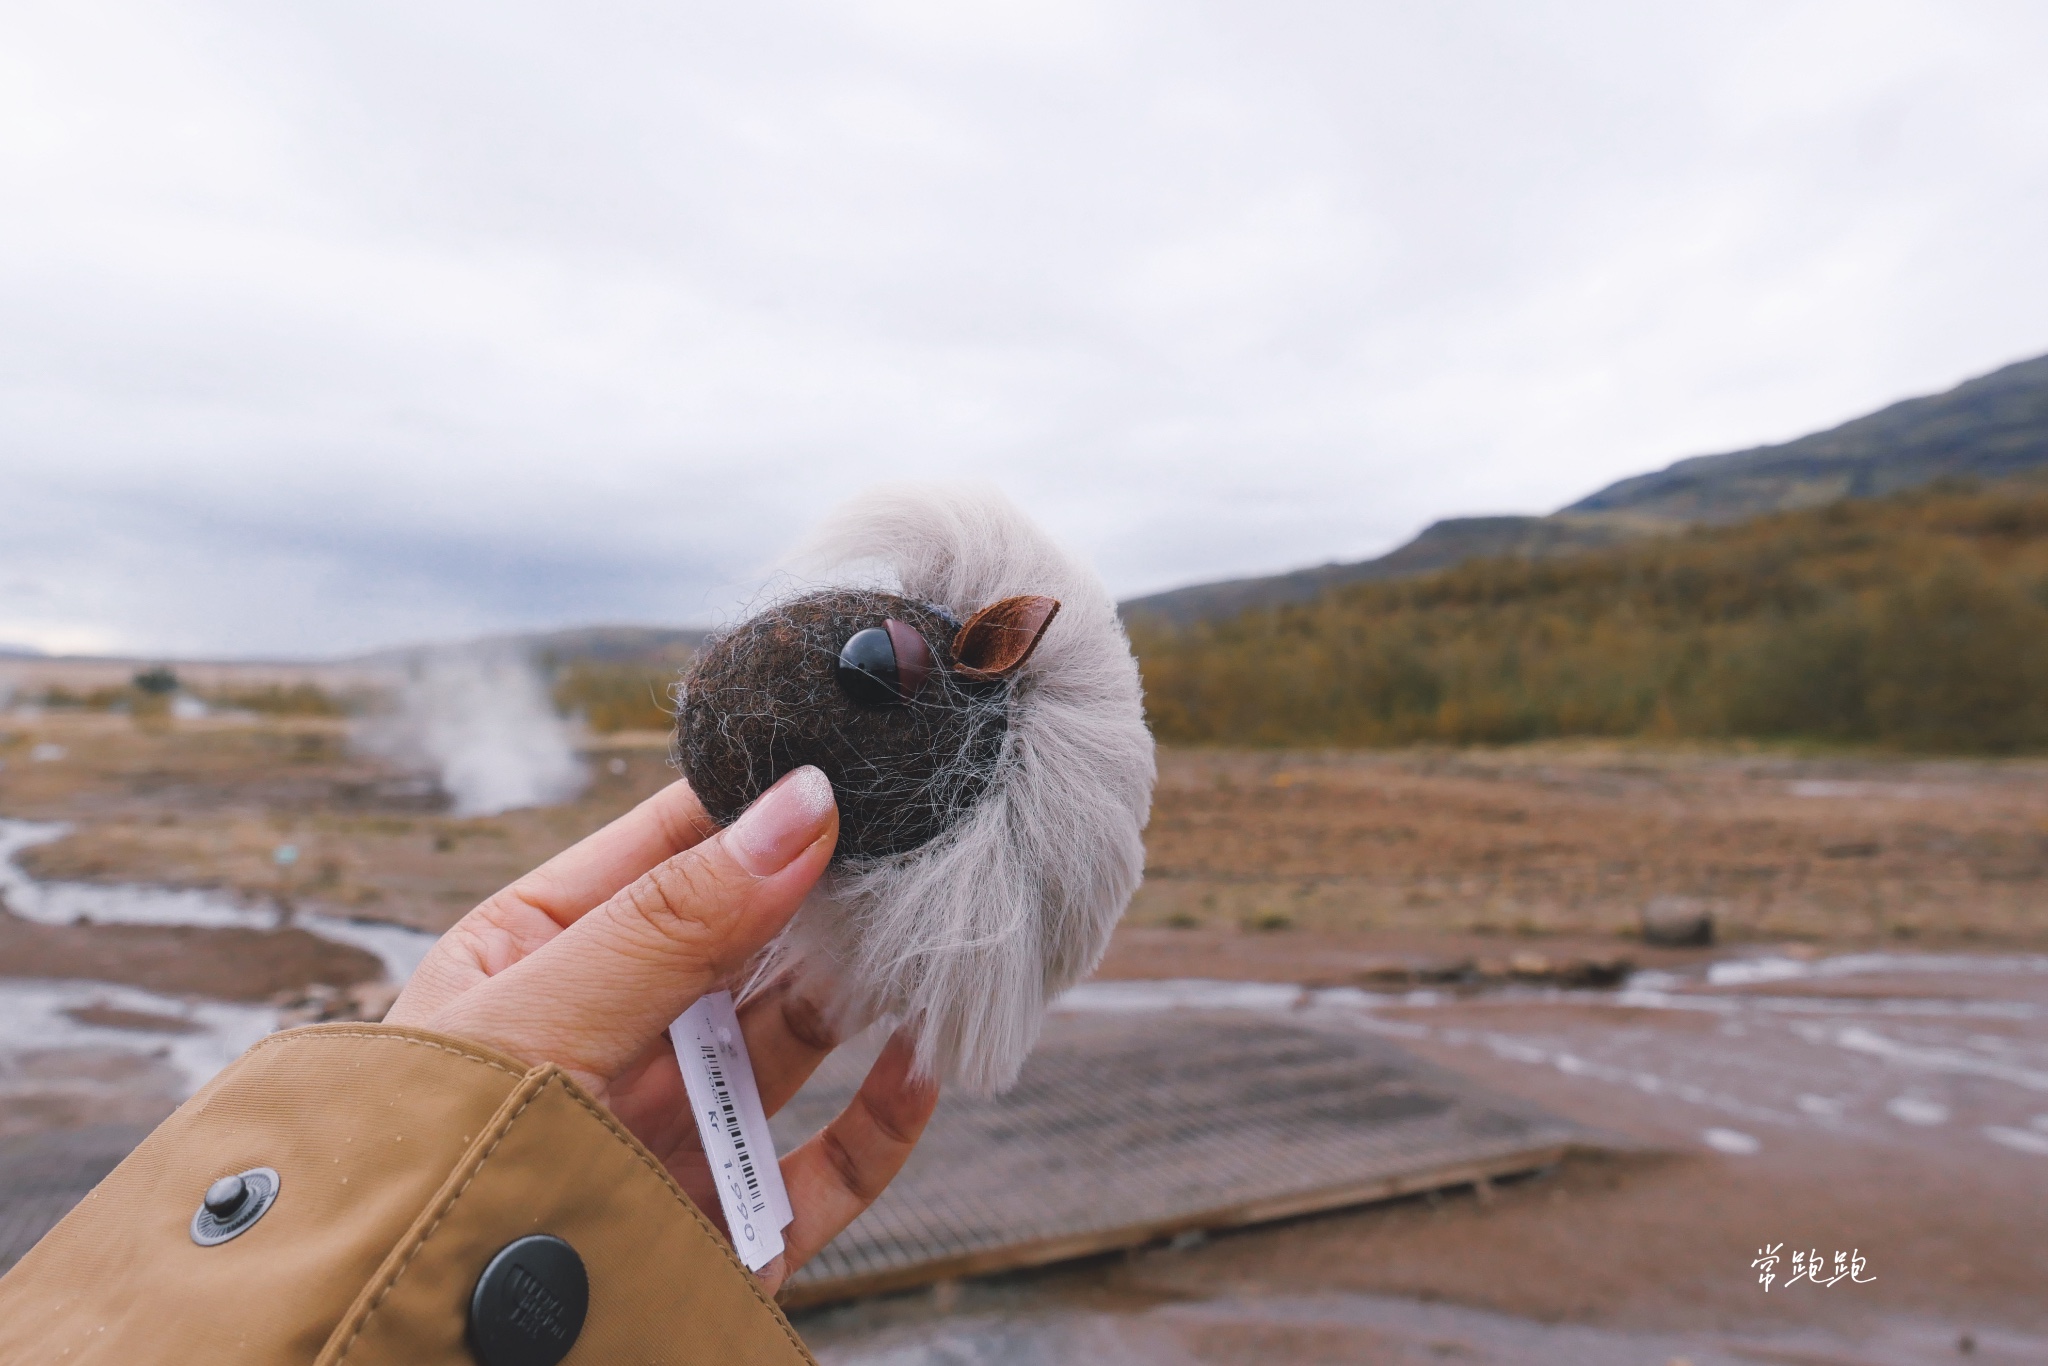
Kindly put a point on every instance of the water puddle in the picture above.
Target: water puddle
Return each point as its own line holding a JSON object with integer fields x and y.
{"x": 1179, "y": 994}
{"x": 1775, "y": 968}
{"x": 196, "y": 1037}
{"x": 1820, "y": 1063}
{"x": 71, "y": 903}
{"x": 1957, "y": 1062}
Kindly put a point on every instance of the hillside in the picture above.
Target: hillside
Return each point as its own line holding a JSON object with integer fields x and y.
{"x": 649, "y": 645}
{"x": 1440, "y": 546}
{"x": 1988, "y": 428}
{"x": 1915, "y": 621}
{"x": 615, "y": 677}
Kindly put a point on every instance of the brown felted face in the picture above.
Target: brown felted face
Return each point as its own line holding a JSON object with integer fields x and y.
{"x": 909, "y": 741}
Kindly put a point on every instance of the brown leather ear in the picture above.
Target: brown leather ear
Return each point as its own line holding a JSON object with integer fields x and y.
{"x": 997, "y": 640}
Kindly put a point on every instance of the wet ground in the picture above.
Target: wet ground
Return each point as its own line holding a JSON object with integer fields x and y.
{"x": 1017, "y": 1325}
{"x": 139, "y": 994}
{"x": 1525, "y": 843}
{"x": 1796, "y": 1090}
{"x": 1889, "y": 1109}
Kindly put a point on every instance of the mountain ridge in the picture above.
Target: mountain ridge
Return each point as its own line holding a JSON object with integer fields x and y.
{"x": 1987, "y": 428}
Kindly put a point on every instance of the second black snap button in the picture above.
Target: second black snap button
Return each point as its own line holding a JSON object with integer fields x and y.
{"x": 528, "y": 1305}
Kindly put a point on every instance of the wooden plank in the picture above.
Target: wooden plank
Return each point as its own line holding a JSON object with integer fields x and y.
{"x": 1123, "y": 1131}
{"x": 1045, "y": 1252}
{"x": 43, "y": 1175}
{"x": 1126, "y": 1129}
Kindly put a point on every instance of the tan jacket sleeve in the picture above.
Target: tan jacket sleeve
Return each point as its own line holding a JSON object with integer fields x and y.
{"x": 406, "y": 1161}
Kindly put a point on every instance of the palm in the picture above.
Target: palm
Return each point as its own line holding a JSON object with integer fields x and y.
{"x": 583, "y": 962}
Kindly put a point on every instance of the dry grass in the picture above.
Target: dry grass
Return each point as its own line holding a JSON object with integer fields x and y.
{"x": 1918, "y": 622}
{"x": 1573, "y": 839}
{"x": 1558, "y": 839}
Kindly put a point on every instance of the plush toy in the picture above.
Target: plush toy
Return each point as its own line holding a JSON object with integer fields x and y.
{"x": 968, "y": 689}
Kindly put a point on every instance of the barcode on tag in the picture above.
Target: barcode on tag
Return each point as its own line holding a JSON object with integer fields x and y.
{"x": 720, "y": 1080}
{"x": 726, "y": 1112}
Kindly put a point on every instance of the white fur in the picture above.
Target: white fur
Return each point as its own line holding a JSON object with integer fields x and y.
{"x": 966, "y": 939}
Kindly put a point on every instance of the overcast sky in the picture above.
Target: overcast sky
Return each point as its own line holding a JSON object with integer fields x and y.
{"x": 325, "y": 326}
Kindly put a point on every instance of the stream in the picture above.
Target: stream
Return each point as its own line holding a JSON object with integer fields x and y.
{"x": 195, "y": 1037}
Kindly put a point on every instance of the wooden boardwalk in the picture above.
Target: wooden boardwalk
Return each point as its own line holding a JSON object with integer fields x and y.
{"x": 43, "y": 1175}
{"x": 1127, "y": 1128}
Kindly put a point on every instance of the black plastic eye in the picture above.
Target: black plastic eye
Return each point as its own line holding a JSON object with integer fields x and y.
{"x": 867, "y": 668}
{"x": 884, "y": 666}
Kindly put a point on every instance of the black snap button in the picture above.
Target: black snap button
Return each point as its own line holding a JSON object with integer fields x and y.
{"x": 528, "y": 1306}
{"x": 225, "y": 1196}
{"x": 233, "y": 1204}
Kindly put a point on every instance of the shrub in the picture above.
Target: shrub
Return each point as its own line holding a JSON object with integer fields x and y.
{"x": 1919, "y": 620}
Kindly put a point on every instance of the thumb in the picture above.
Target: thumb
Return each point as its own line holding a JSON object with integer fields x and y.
{"x": 592, "y": 998}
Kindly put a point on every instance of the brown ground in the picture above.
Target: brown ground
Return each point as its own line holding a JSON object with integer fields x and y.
{"x": 57, "y": 1089}
{"x": 1313, "y": 958}
{"x": 1546, "y": 840}
{"x": 1648, "y": 1243}
{"x": 1660, "y": 1238}
{"x": 1563, "y": 843}
{"x": 182, "y": 960}
{"x": 207, "y": 803}
{"x": 1350, "y": 862}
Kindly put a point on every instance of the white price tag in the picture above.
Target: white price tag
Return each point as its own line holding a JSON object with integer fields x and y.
{"x": 720, "y": 1079}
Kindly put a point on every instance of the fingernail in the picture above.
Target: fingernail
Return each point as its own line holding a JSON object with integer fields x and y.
{"x": 782, "y": 822}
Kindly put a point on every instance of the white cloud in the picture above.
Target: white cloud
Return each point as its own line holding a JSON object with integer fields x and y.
{"x": 332, "y": 325}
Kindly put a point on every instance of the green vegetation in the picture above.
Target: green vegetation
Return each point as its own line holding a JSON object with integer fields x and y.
{"x": 59, "y": 697}
{"x": 277, "y": 699}
{"x": 150, "y": 693}
{"x": 616, "y": 696}
{"x": 1916, "y": 621}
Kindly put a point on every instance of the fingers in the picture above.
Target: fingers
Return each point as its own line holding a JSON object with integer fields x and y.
{"x": 592, "y": 997}
{"x": 787, "y": 1037}
{"x": 591, "y": 871}
{"x": 533, "y": 910}
{"x": 836, "y": 1175}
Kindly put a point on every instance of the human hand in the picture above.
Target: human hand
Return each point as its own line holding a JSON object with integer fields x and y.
{"x": 585, "y": 961}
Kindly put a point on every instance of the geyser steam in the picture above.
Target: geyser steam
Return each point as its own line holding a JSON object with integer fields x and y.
{"x": 479, "y": 716}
